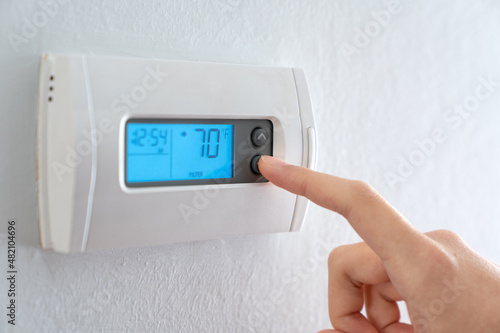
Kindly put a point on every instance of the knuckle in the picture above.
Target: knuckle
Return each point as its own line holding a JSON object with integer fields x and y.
{"x": 451, "y": 236}
{"x": 363, "y": 190}
{"x": 446, "y": 237}
{"x": 361, "y": 193}
{"x": 337, "y": 255}
{"x": 441, "y": 262}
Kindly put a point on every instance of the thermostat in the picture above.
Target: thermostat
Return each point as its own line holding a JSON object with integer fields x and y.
{"x": 135, "y": 152}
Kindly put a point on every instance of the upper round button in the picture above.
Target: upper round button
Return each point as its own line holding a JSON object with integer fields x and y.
{"x": 259, "y": 137}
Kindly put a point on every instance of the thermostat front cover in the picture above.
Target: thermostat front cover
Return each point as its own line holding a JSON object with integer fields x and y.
{"x": 136, "y": 152}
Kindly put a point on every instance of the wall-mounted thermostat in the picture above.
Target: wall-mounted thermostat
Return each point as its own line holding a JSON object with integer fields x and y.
{"x": 135, "y": 152}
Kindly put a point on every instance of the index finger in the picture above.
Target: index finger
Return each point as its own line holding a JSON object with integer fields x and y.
{"x": 373, "y": 218}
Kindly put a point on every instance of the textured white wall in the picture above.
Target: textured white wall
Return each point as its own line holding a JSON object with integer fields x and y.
{"x": 370, "y": 107}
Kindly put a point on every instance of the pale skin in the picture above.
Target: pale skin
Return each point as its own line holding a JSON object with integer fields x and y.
{"x": 446, "y": 285}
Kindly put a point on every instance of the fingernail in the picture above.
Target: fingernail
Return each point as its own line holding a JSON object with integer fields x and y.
{"x": 273, "y": 161}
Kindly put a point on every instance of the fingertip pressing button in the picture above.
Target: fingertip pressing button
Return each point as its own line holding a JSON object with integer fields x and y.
{"x": 254, "y": 164}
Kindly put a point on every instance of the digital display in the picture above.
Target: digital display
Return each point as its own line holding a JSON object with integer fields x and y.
{"x": 159, "y": 152}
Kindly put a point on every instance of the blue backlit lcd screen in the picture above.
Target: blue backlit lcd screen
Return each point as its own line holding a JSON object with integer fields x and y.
{"x": 162, "y": 152}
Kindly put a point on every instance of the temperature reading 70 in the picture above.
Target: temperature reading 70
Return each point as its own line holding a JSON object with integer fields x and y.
{"x": 210, "y": 141}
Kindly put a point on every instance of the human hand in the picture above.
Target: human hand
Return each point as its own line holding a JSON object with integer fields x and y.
{"x": 447, "y": 286}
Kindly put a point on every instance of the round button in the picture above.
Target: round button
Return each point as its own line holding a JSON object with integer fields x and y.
{"x": 259, "y": 137}
{"x": 254, "y": 164}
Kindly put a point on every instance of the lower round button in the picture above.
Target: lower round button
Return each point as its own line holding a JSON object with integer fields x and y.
{"x": 254, "y": 164}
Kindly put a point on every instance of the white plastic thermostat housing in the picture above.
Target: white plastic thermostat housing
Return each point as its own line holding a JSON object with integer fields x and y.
{"x": 84, "y": 105}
